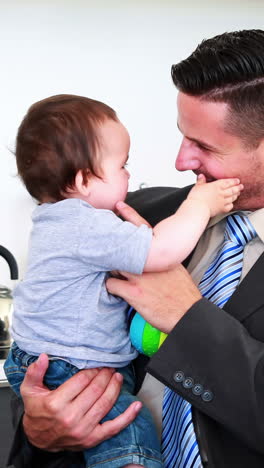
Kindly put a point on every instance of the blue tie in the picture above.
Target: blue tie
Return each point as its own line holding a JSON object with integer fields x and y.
{"x": 179, "y": 444}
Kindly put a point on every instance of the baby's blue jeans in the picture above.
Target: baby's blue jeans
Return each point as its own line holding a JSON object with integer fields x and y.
{"x": 137, "y": 444}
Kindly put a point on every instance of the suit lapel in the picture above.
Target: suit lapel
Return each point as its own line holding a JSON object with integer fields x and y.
{"x": 249, "y": 295}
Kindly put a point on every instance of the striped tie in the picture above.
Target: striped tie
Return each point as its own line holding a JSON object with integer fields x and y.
{"x": 223, "y": 275}
{"x": 179, "y": 444}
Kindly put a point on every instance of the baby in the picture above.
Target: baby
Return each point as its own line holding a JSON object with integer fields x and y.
{"x": 71, "y": 154}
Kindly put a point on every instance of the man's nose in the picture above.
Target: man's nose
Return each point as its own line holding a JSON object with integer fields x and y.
{"x": 186, "y": 159}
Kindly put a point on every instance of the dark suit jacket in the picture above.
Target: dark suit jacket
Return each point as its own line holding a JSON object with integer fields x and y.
{"x": 221, "y": 350}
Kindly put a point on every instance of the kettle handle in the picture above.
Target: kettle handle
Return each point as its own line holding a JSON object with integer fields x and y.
{"x": 6, "y": 254}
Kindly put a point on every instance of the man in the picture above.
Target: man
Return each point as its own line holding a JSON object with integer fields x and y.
{"x": 213, "y": 356}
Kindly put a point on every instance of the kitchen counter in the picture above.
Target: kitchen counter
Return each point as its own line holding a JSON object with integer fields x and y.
{"x": 3, "y": 381}
{"x": 6, "y": 431}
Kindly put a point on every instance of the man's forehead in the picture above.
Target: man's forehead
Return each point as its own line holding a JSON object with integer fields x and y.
{"x": 202, "y": 121}
{"x": 190, "y": 105}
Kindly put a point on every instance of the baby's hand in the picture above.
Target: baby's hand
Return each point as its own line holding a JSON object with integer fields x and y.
{"x": 219, "y": 195}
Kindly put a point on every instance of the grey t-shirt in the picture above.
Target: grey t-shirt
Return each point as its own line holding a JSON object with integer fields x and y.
{"x": 62, "y": 306}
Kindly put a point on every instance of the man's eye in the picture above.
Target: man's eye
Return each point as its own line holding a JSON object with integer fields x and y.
{"x": 125, "y": 165}
{"x": 201, "y": 147}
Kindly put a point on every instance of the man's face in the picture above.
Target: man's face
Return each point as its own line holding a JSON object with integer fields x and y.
{"x": 209, "y": 149}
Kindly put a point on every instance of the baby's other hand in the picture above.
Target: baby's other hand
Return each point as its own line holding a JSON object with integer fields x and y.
{"x": 219, "y": 195}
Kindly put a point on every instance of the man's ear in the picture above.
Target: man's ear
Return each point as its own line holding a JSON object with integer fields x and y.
{"x": 81, "y": 186}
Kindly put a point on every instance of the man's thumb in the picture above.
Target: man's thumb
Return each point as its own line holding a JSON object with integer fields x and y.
{"x": 36, "y": 372}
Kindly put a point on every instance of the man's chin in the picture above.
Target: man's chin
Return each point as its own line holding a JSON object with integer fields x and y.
{"x": 244, "y": 203}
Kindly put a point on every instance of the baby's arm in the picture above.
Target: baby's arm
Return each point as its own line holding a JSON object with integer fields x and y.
{"x": 175, "y": 237}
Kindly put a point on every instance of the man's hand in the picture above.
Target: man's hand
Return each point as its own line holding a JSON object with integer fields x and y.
{"x": 69, "y": 417}
{"x": 161, "y": 298}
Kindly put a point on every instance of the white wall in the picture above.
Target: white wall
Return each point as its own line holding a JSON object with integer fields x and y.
{"x": 119, "y": 52}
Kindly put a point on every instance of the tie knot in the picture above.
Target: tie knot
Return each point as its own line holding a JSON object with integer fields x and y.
{"x": 239, "y": 229}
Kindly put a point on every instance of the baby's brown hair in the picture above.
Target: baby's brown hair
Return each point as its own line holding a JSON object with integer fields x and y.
{"x": 57, "y": 138}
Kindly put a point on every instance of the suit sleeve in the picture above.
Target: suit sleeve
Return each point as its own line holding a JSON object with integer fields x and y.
{"x": 212, "y": 361}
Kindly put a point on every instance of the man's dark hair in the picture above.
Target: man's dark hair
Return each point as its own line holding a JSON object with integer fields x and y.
{"x": 229, "y": 68}
{"x": 57, "y": 138}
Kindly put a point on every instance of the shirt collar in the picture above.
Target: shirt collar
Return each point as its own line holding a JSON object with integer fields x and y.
{"x": 255, "y": 217}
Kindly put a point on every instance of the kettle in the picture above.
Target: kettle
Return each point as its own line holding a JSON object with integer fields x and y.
{"x": 6, "y": 304}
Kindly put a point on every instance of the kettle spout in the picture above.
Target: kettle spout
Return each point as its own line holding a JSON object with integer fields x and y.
{"x": 6, "y": 254}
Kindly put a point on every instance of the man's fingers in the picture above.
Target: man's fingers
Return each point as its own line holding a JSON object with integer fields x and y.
{"x": 97, "y": 399}
{"x": 129, "y": 214}
{"x": 73, "y": 389}
{"x": 121, "y": 287}
{"x": 103, "y": 404}
{"x": 90, "y": 407}
{"x": 110, "y": 428}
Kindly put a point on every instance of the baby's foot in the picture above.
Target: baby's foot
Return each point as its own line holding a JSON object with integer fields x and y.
{"x": 219, "y": 195}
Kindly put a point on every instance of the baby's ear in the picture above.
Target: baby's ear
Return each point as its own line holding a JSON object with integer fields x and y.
{"x": 82, "y": 186}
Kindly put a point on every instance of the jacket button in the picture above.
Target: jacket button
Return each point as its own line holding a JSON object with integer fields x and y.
{"x": 207, "y": 396}
{"x": 179, "y": 376}
{"x": 197, "y": 389}
{"x": 188, "y": 382}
